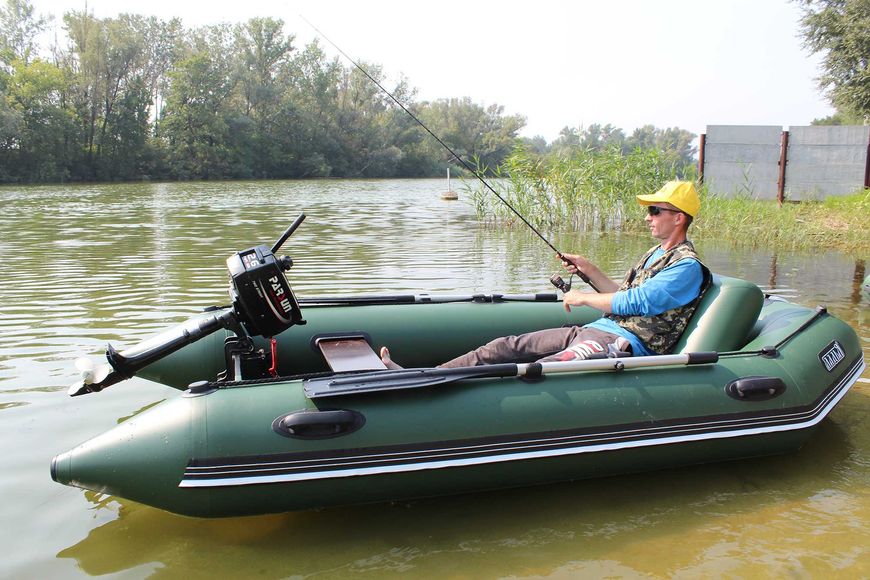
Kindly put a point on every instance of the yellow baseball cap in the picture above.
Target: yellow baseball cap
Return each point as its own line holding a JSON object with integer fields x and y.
{"x": 680, "y": 194}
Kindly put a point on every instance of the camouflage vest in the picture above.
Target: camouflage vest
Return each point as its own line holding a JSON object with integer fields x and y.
{"x": 661, "y": 332}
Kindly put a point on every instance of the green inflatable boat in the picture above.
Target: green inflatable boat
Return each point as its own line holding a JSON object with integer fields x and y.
{"x": 310, "y": 418}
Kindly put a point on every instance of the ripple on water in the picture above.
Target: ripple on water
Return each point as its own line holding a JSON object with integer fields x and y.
{"x": 121, "y": 262}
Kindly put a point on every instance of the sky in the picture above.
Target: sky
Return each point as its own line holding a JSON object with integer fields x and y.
{"x": 558, "y": 63}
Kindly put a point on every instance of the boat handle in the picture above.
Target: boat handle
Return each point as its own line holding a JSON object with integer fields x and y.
{"x": 755, "y": 388}
{"x": 316, "y": 424}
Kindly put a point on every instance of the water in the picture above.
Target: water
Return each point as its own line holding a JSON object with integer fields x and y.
{"x": 83, "y": 265}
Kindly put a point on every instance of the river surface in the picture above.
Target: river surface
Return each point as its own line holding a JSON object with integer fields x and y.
{"x": 84, "y": 265}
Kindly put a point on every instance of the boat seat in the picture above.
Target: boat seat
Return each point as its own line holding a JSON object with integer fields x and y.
{"x": 349, "y": 352}
{"x": 724, "y": 318}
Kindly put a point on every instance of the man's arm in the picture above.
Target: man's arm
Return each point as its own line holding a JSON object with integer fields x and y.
{"x": 675, "y": 286}
{"x": 602, "y": 302}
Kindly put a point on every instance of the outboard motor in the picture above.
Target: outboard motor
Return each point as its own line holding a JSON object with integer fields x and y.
{"x": 263, "y": 304}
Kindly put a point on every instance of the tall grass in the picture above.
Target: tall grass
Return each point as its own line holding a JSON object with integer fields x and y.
{"x": 586, "y": 189}
{"x": 841, "y": 222}
{"x": 595, "y": 190}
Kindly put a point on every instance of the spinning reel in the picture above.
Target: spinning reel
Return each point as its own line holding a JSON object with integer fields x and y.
{"x": 557, "y": 281}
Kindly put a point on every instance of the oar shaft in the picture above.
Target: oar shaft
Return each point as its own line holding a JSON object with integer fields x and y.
{"x": 426, "y": 377}
{"x": 610, "y": 364}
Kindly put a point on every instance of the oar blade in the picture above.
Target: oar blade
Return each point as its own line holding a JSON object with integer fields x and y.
{"x": 399, "y": 379}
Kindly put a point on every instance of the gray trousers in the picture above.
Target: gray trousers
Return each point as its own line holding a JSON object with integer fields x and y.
{"x": 553, "y": 344}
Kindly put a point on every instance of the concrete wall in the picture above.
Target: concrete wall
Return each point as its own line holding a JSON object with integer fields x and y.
{"x": 820, "y": 160}
{"x": 742, "y": 159}
{"x": 825, "y": 160}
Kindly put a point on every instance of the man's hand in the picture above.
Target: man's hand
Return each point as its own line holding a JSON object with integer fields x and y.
{"x": 577, "y": 264}
{"x": 573, "y": 298}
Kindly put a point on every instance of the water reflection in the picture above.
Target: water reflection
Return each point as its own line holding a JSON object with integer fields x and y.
{"x": 857, "y": 282}
{"x": 771, "y": 281}
{"x": 620, "y": 523}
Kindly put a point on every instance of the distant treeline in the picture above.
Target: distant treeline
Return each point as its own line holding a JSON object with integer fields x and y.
{"x": 136, "y": 97}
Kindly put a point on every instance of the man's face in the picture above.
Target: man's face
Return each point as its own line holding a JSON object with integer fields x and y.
{"x": 662, "y": 225}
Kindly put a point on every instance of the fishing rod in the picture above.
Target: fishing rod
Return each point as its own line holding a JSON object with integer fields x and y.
{"x": 555, "y": 279}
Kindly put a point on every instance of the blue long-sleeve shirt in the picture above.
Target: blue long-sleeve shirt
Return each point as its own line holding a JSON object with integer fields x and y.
{"x": 675, "y": 286}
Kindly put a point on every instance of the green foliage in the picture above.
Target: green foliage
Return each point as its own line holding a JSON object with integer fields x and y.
{"x": 840, "y": 223}
{"x": 134, "y": 97}
{"x": 840, "y": 30}
{"x": 595, "y": 189}
{"x": 19, "y": 28}
{"x": 193, "y": 125}
{"x": 583, "y": 188}
{"x": 141, "y": 97}
{"x": 36, "y": 129}
{"x": 673, "y": 141}
{"x": 838, "y": 118}
{"x": 471, "y": 130}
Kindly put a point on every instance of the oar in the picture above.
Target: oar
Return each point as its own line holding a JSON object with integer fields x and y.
{"x": 414, "y": 378}
{"x": 426, "y": 299}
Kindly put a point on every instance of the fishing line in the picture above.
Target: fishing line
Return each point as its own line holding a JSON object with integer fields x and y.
{"x": 455, "y": 156}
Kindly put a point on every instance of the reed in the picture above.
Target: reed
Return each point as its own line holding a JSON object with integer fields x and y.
{"x": 840, "y": 223}
{"x": 595, "y": 190}
{"x": 583, "y": 189}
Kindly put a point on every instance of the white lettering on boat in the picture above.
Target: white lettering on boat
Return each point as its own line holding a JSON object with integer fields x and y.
{"x": 832, "y": 355}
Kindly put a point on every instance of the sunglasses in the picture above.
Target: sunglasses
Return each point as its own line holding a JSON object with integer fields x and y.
{"x": 656, "y": 210}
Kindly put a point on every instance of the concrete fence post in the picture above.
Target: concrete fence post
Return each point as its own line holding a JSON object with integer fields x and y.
{"x": 867, "y": 167}
{"x": 783, "y": 160}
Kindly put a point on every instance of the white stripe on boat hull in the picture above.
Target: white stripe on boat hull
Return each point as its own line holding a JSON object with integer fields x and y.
{"x": 815, "y": 416}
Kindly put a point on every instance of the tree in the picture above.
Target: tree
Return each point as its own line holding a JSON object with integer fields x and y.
{"x": 263, "y": 52}
{"x": 163, "y": 50}
{"x": 262, "y": 49}
{"x": 536, "y": 145}
{"x": 673, "y": 140}
{"x": 36, "y": 128}
{"x": 18, "y": 30}
{"x": 365, "y": 132}
{"x": 124, "y": 145}
{"x": 198, "y": 105}
{"x": 568, "y": 139}
{"x": 841, "y": 30}
{"x": 838, "y": 118}
{"x": 113, "y": 69}
{"x": 597, "y": 136}
{"x": 594, "y": 137}
{"x": 193, "y": 124}
{"x": 308, "y": 112}
{"x": 471, "y": 130}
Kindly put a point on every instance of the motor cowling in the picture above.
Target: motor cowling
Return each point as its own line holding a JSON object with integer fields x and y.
{"x": 261, "y": 296}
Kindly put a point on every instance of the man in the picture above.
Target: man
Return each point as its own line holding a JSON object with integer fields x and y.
{"x": 645, "y": 314}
